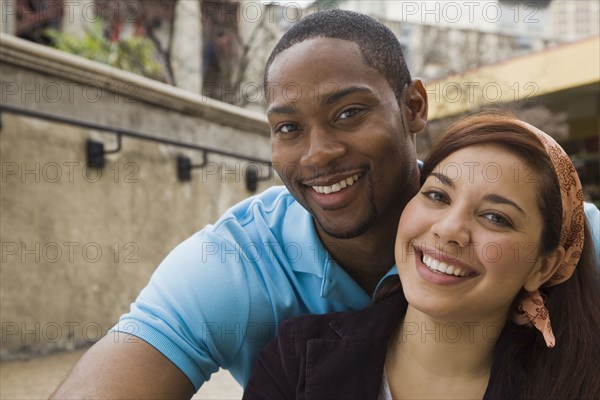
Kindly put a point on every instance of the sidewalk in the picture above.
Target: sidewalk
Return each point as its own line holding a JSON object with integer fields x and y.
{"x": 37, "y": 379}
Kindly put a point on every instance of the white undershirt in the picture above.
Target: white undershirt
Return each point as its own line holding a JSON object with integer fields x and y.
{"x": 384, "y": 390}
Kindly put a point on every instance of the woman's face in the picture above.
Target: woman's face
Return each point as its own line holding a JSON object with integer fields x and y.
{"x": 470, "y": 239}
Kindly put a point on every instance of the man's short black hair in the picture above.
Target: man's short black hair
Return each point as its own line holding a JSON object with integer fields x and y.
{"x": 378, "y": 45}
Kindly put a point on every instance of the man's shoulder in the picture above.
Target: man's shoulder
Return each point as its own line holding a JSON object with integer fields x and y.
{"x": 272, "y": 204}
{"x": 593, "y": 217}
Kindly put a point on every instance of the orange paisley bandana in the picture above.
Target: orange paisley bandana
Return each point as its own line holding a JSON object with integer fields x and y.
{"x": 531, "y": 309}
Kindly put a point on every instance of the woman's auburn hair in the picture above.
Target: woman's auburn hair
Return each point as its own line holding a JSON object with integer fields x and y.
{"x": 525, "y": 365}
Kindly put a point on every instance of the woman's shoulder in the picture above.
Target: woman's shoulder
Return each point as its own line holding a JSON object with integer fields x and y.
{"x": 372, "y": 321}
{"x": 308, "y": 326}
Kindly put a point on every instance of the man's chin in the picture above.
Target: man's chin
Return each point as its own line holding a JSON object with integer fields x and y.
{"x": 348, "y": 232}
{"x": 334, "y": 230}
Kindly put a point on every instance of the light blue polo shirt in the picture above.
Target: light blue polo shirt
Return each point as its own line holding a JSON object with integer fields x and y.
{"x": 218, "y": 297}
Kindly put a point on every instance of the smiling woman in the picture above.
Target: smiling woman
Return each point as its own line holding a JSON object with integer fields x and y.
{"x": 529, "y": 212}
{"x": 468, "y": 238}
{"x": 491, "y": 249}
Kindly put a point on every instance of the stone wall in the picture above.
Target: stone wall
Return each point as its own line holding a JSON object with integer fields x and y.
{"x": 78, "y": 243}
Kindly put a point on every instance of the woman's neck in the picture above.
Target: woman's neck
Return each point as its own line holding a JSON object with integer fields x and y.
{"x": 431, "y": 358}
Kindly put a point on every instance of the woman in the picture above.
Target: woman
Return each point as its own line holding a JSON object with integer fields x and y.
{"x": 492, "y": 249}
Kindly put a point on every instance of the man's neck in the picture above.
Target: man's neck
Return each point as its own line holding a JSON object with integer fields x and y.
{"x": 368, "y": 257}
{"x": 365, "y": 259}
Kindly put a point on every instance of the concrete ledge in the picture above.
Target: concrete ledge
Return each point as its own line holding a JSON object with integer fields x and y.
{"x": 59, "y": 64}
{"x": 131, "y": 213}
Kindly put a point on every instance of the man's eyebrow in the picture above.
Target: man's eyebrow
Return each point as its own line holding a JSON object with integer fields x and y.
{"x": 495, "y": 198}
{"x": 335, "y": 96}
{"x": 281, "y": 110}
{"x": 329, "y": 98}
{"x": 444, "y": 179}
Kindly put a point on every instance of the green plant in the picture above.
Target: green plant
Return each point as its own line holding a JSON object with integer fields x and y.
{"x": 134, "y": 54}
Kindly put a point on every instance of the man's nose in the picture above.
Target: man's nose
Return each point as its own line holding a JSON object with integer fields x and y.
{"x": 323, "y": 148}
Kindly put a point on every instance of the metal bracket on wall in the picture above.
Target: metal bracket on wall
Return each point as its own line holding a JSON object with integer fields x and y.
{"x": 95, "y": 150}
{"x": 253, "y": 177}
{"x": 184, "y": 166}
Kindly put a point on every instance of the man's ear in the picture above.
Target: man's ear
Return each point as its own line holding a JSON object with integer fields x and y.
{"x": 414, "y": 106}
{"x": 547, "y": 266}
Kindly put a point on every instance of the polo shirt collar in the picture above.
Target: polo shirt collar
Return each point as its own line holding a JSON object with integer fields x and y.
{"x": 337, "y": 285}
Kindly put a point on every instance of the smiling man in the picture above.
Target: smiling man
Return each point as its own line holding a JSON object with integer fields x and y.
{"x": 343, "y": 113}
{"x": 345, "y": 147}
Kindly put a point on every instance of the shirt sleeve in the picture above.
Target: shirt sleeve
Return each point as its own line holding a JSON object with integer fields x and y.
{"x": 593, "y": 218}
{"x": 197, "y": 309}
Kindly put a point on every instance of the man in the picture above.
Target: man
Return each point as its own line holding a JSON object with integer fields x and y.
{"x": 344, "y": 114}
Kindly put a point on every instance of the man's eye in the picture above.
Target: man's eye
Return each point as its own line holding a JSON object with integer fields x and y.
{"x": 348, "y": 113}
{"x": 287, "y": 128}
{"x": 436, "y": 196}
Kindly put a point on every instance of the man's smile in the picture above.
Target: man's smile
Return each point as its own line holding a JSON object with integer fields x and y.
{"x": 336, "y": 187}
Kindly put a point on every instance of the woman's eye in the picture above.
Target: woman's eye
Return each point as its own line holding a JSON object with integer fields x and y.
{"x": 436, "y": 196}
{"x": 348, "y": 113}
{"x": 498, "y": 219}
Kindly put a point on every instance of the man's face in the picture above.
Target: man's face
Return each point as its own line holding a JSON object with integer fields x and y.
{"x": 337, "y": 136}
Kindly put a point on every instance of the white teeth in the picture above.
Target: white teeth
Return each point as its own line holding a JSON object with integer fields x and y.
{"x": 444, "y": 268}
{"x": 336, "y": 187}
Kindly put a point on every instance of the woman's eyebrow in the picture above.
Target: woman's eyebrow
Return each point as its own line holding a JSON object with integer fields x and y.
{"x": 492, "y": 198}
{"x": 444, "y": 179}
{"x": 497, "y": 199}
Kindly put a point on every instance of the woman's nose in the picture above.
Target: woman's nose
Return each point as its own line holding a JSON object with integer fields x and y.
{"x": 453, "y": 227}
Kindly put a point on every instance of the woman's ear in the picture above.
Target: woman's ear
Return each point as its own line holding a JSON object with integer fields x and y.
{"x": 547, "y": 266}
{"x": 414, "y": 106}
